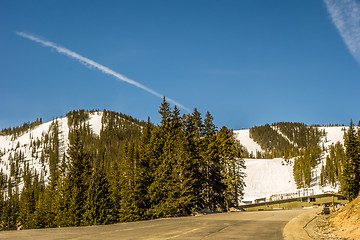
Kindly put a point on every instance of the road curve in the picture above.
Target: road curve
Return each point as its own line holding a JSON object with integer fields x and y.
{"x": 234, "y": 225}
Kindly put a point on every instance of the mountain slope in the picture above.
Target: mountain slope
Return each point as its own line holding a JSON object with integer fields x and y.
{"x": 31, "y": 148}
{"x": 244, "y": 138}
{"x": 267, "y": 177}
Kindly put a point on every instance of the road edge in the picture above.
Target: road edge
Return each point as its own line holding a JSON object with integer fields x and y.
{"x": 295, "y": 228}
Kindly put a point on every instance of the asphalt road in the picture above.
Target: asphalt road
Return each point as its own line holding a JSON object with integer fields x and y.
{"x": 234, "y": 225}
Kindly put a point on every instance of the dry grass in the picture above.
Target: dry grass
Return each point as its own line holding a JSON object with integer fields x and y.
{"x": 347, "y": 220}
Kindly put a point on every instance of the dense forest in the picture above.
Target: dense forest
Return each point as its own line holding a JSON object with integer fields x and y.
{"x": 134, "y": 170}
{"x": 272, "y": 142}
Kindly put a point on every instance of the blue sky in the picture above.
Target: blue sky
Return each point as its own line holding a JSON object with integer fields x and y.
{"x": 247, "y": 62}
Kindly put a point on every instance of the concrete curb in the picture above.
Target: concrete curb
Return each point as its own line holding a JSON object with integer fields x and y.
{"x": 295, "y": 228}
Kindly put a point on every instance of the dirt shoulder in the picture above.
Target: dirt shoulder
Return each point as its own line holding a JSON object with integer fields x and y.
{"x": 321, "y": 228}
{"x": 346, "y": 221}
{"x": 343, "y": 223}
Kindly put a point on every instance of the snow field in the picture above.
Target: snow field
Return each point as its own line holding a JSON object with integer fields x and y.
{"x": 266, "y": 177}
{"x": 246, "y": 141}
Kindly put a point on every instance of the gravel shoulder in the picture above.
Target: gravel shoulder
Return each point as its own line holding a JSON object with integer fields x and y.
{"x": 314, "y": 225}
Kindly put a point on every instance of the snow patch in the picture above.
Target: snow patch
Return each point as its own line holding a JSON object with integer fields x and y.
{"x": 266, "y": 177}
{"x": 333, "y": 135}
{"x": 245, "y": 140}
{"x": 95, "y": 122}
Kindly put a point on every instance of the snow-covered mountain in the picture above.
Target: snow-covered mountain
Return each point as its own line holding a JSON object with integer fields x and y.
{"x": 30, "y": 145}
{"x": 273, "y": 178}
{"x": 270, "y": 178}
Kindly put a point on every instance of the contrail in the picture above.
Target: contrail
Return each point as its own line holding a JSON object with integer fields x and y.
{"x": 345, "y": 14}
{"x": 90, "y": 63}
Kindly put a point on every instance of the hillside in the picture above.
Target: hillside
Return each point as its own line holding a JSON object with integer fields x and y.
{"x": 105, "y": 167}
{"x": 347, "y": 220}
{"x": 39, "y": 149}
{"x": 244, "y": 138}
{"x": 31, "y": 147}
{"x": 268, "y": 177}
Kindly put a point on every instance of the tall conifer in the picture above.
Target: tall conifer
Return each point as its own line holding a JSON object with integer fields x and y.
{"x": 351, "y": 172}
{"x": 77, "y": 181}
{"x": 98, "y": 204}
{"x": 213, "y": 185}
{"x": 232, "y": 175}
{"x": 145, "y": 177}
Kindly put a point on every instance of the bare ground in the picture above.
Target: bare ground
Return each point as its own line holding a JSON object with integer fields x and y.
{"x": 343, "y": 223}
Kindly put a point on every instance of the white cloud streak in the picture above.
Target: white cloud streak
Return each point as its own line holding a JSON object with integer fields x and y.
{"x": 90, "y": 63}
{"x": 345, "y": 14}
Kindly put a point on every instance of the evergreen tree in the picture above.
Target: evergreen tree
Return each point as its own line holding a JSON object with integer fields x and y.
{"x": 59, "y": 197}
{"x": 128, "y": 210}
{"x": 98, "y": 205}
{"x": 41, "y": 217}
{"x": 351, "y": 172}
{"x": 145, "y": 177}
{"x": 159, "y": 188}
{"x": 181, "y": 197}
{"x": 11, "y": 209}
{"x": 213, "y": 184}
{"x": 115, "y": 193}
{"x": 232, "y": 175}
{"x": 193, "y": 130}
{"x": 76, "y": 182}
{"x": 27, "y": 201}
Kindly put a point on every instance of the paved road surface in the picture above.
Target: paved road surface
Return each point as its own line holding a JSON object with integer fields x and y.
{"x": 235, "y": 225}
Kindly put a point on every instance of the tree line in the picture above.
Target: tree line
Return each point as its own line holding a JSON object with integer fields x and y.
{"x": 17, "y": 131}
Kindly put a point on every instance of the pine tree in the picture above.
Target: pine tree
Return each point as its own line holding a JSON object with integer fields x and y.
{"x": 213, "y": 185}
{"x": 145, "y": 177}
{"x": 128, "y": 210}
{"x": 232, "y": 175}
{"x": 11, "y": 209}
{"x": 98, "y": 205}
{"x": 27, "y": 200}
{"x": 351, "y": 172}
{"x": 165, "y": 113}
{"x": 59, "y": 197}
{"x": 181, "y": 197}
{"x": 27, "y": 207}
{"x": 193, "y": 130}
{"x": 115, "y": 193}
{"x": 41, "y": 216}
{"x": 76, "y": 182}
{"x": 161, "y": 168}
